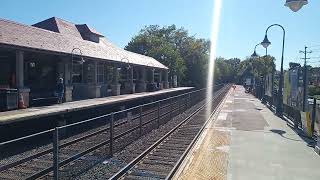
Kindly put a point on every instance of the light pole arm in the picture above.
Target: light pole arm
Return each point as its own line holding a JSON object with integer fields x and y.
{"x": 280, "y": 95}
{"x": 283, "y": 41}
{"x": 255, "y": 47}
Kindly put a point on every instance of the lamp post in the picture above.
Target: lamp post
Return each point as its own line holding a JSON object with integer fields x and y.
{"x": 126, "y": 61}
{"x": 265, "y": 43}
{"x": 81, "y": 62}
{"x": 295, "y": 5}
{"x": 129, "y": 86}
{"x": 255, "y": 55}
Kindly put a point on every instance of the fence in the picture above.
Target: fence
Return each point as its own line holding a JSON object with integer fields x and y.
{"x": 68, "y": 154}
{"x": 308, "y": 121}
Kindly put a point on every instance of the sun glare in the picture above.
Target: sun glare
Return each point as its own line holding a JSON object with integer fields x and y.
{"x": 213, "y": 38}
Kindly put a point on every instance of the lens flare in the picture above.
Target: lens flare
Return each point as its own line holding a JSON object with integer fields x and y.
{"x": 213, "y": 47}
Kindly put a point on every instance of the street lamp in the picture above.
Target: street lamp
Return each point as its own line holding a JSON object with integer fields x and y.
{"x": 127, "y": 62}
{"x": 254, "y": 56}
{"x": 81, "y": 62}
{"x": 265, "y": 43}
{"x": 295, "y": 5}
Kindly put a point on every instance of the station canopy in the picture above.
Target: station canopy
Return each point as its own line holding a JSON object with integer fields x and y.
{"x": 60, "y": 36}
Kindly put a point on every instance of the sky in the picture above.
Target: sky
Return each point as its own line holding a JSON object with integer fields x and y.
{"x": 242, "y": 22}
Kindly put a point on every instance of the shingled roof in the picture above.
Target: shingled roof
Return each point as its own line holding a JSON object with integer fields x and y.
{"x": 57, "y": 35}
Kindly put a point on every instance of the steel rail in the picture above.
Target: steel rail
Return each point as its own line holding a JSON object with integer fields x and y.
{"x": 65, "y": 144}
{"x": 82, "y": 153}
{"x": 185, "y": 153}
{"x": 48, "y": 151}
{"x": 131, "y": 164}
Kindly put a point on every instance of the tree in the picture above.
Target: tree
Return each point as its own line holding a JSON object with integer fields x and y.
{"x": 185, "y": 55}
{"x": 256, "y": 67}
{"x": 188, "y": 56}
{"x": 293, "y": 65}
{"x": 226, "y": 70}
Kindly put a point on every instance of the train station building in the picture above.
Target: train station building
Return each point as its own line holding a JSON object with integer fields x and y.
{"x": 33, "y": 58}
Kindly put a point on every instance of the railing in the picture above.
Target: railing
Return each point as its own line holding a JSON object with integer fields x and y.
{"x": 293, "y": 116}
{"x": 118, "y": 129}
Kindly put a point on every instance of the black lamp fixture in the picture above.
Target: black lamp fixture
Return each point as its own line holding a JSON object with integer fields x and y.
{"x": 265, "y": 43}
{"x": 254, "y": 54}
{"x": 295, "y": 5}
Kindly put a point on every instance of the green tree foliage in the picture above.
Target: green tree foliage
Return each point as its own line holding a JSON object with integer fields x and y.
{"x": 256, "y": 67}
{"x": 226, "y": 70}
{"x": 293, "y": 65}
{"x": 185, "y": 55}
{"x": 188, "y": 56}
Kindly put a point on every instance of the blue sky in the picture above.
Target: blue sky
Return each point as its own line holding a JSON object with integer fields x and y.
{"x": 243, "y": 22}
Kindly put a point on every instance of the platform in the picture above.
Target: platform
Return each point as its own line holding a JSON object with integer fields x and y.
{"x": 245, "y": 140}
{"x": 39, "y": 112}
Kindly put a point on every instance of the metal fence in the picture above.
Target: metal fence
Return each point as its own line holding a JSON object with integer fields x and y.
{"x": 69, "y": 154}
{"x": 310, "y": 124}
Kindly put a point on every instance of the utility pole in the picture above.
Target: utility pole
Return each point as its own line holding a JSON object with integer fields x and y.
{"x": 305, "y": 89}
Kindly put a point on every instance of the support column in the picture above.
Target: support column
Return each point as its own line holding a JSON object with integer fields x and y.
{"x": 94, "y": 90}
{"x": 115, "y": 87}
{"x": 152, "y": 75}
{"x": 19, "y": 69}
{"x": 129, "y": 85}
{"x": 175, "y": 81}
{"x": 141, "y": 86}
{"x": 143, "y": 74}
{"x": 160, "y": 79}
{"x": 137, "y": 74}
{"x": 67, "y": 80}
{"x": 166, "y": 82}
{"x": 23, "y": 91}
{"x": 131, "y": 75}
{"x": 152, "y": 85}
{"x": 95, "y": 78}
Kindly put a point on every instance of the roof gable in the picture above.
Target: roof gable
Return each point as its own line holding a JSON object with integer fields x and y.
{"x": 84, "y": 28}
{"x": 60, "y": 26}
{"x": 67, "y": 28}
{"x": 48, "y": 24}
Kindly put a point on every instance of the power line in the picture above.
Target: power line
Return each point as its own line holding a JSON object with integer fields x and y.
{"x": 315, "y": 50}
{"x": 316, "y": 45}
{"x": 313, "y": 61}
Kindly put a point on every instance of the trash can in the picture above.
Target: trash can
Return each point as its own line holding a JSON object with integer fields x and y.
{"x": 8, "y": 99}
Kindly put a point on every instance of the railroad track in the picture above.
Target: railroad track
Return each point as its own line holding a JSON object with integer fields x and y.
{"x": 39, "y": 164}
{"x": 161, "y": 160}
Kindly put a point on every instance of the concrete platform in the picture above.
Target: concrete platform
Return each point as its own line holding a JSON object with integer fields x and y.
{"x": 40, "y": 112}
{"x": 247, "y": 141}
